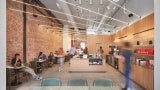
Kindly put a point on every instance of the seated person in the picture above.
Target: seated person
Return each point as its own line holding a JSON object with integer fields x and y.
{"x": 56, "y": 56}
{"x": 16, "y": 62}
{"x": 67, "y": 56}
{"x": 81, "y": 53}
{"x": 51, "y": 58}
{"x": 55, "y": 53}
{"x": 42, "y": 56}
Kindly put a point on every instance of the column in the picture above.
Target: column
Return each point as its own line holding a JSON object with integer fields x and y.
{"x": 66, "y": 38}
{"x": 157, "y": 45}
{"x": 3, "y": 45}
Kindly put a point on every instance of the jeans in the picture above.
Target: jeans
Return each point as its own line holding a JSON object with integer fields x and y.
{"x": 61, "y": 61}
{"x": 30, "y": 71}
{"x": 128, "y": 83}
{"x": 71, "y": 56}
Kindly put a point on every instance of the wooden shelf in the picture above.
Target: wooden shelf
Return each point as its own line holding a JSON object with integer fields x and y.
{"x": 143, "y": 54}
{"x": 144, "y": 45}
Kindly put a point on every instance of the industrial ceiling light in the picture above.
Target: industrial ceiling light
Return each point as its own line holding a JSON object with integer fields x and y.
{"x": 130, "y": 15}
{"x": 124, "y": 8}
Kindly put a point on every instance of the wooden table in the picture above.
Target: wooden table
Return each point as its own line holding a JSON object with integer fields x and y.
{"x": 16, "y": 74}
{"x": 82, "y": 65}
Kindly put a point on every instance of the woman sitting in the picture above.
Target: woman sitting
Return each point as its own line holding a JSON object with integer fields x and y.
{"x": 16, "y": 62}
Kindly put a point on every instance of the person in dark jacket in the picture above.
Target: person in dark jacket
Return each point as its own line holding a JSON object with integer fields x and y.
{"x": 17, "y": 62}
{"x": 42, "y": 56}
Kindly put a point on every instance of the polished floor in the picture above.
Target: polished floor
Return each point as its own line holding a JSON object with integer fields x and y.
{"x": 64, "y": 75}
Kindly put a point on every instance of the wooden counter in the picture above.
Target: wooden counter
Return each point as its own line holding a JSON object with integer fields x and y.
{"x": 83, "y": 65}
{"x": 141, "y": 75}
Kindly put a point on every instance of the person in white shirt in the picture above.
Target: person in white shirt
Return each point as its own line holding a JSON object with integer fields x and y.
{"x": 72, "y": 52}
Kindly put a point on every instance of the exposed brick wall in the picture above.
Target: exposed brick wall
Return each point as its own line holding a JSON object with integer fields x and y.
{"x": 38, "y": 38}
{"x": 14, "y": 31}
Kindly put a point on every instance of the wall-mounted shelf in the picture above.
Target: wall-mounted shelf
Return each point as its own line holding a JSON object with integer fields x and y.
{"x": 144, "y": 45}
{"x": 143, "y": 54}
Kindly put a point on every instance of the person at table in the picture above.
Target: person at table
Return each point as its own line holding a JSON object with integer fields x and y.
{"x": 42, "y": 56}
{"x": 81, "y": 53}
{"x": 85, "y": 51}
{"x": 55, "y": 53}
{"x": 100, "y": 51}
{"x": 56, "y": 58}
{"x": 61, "y": 56}
{"x": 72, "y": 52}
{"x": 51, "y": 58}
{"x": 125, "y": 55}
{"x": 67, "y": 56}
{"x": 17, "y": 62}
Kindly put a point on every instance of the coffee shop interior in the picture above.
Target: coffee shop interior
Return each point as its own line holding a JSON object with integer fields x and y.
{"x": 80, "y": 43}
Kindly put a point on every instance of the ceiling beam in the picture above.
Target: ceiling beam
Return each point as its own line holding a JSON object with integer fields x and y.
{"x": 102, "y": 20}
{"x": 67, "y": 10}
{"x": 48, "y": 12}
{"x": 116, "y": 12}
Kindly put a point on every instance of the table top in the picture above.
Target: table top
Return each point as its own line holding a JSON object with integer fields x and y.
{"x": 41, "y": 61}
{"x": 75, "y": 88}
{"x": 11, "y": 67}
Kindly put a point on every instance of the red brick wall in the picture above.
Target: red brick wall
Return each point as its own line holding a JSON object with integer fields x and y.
{"x": 14, "y": 31}
{"x": 38, "y": 39}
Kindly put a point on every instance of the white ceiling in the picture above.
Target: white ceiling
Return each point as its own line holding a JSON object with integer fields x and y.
{"x": 96, "y": 21}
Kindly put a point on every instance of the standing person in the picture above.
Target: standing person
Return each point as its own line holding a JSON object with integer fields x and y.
{"x": 81, "y": 53}
{"x": 100, "y": 51}
{"x": 61, "y": 56}
{"x": 85, "y": 51}
{"x": 17, "y": 62}
{"x": 72, "y": 52}
{"x": 125, "y": 54}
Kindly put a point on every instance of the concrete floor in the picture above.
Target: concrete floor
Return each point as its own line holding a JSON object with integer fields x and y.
{"x": 111, "y": 73}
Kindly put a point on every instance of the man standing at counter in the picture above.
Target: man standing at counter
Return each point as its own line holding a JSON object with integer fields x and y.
{"x": 125, "y": 54}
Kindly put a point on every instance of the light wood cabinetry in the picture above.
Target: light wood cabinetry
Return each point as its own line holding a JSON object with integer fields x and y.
{"x": 141, "y": 75}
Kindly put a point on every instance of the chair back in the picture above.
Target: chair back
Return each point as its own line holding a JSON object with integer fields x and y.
{"x": 77, "y": 82}
{"x": 102, "y": 82}
{"x": 51, "y": 82}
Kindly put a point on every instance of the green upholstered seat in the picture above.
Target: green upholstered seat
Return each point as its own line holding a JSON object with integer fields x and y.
{"x": 77, "y": 82}
{"x": 51, "y": 82}
{"x": 103, "y": 82}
